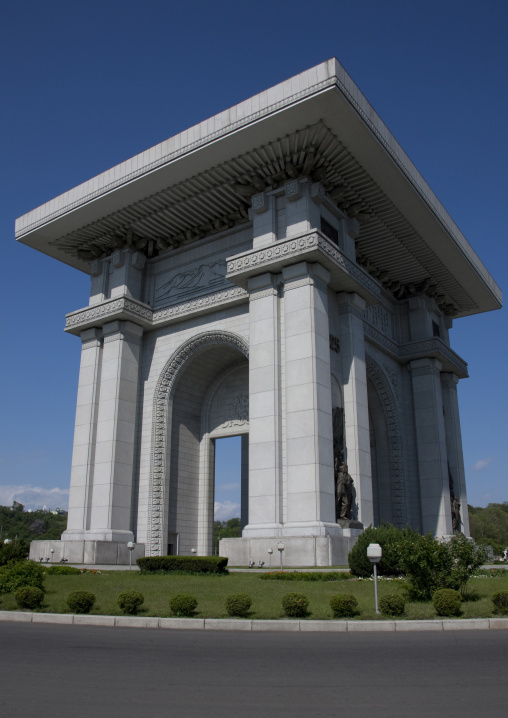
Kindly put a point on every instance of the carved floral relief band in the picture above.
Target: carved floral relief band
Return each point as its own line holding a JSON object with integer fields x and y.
{"x": 124, "y": 308}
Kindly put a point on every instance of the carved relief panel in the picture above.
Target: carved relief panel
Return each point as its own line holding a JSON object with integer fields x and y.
{"x": 229, "y": 410}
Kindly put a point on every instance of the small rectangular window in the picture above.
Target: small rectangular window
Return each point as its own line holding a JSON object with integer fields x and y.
{"x": 435, "y": 329}
{"x": 329, "y": 231}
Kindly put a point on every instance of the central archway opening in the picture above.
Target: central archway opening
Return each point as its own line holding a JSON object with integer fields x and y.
{"x": 231, "y": 467}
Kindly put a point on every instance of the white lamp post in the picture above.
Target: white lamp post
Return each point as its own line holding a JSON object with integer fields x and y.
{"x": 52, "y": 552}
{"x": 130, "y": 546}
{"x": 280, "y": 549}
{"x": 270, "y": 551}
{"x": 374, "y": 554}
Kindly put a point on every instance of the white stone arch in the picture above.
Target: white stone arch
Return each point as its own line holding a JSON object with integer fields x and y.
{"x": 161, "y": 426}
{"x": 391, "y": 412}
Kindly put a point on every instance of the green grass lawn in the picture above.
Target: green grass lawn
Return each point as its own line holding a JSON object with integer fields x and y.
{"x": 211, "y": 592}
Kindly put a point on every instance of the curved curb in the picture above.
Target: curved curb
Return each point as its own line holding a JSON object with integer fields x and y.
{"x": 232, "y": 624}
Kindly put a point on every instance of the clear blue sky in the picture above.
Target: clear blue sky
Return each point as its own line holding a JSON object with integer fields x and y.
{"x": 87, "y": 85}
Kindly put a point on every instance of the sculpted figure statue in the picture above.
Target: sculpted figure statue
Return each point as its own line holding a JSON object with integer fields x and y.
{"x": 344, "y": 491}
{"x": 455, "y": 514}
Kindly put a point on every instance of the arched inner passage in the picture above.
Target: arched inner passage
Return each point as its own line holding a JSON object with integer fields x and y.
{"x": 209, "y": 401}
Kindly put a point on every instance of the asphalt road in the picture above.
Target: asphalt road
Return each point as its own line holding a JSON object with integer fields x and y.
{"x": 78, "y": 671}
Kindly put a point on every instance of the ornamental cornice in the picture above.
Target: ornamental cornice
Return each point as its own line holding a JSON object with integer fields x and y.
{"x": 435, "y": 347}
{"x": 311, "y": 247}
{"x": 122, "y": 308}
{"x": 404, "y": 353}
{"x": 142, "y": 314}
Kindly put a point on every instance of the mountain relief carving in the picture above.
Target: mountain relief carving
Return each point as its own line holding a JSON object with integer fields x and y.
{"x": 184, "y": 285}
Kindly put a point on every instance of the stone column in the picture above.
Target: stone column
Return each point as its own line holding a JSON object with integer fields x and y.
{"x": 431, "y": 446}
{"x": 309, "y": 441}
{"x": 244, "y": 473}
{"x": 83, "y": 455}
{"x": 449, "y": 383}
{"x": 264, "y": 409}
{"x": 356, "y": 407}
{"x": 114, "y": 453}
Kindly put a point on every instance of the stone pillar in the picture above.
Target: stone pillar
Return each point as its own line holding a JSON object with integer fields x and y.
{"x": 83, "y": 455}
{"x": 244, "y": 473}
{"x": 449, "y": 383}
{"x": 264, "y": 409}
{"x": 431, "y": 446}
{"x": 116, "y": 421}
{"x": 356, "y": 411}
{"x": 309, "y": 440}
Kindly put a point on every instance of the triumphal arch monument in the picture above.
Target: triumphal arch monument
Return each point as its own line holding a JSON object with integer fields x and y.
{"x": 282, "y": 272}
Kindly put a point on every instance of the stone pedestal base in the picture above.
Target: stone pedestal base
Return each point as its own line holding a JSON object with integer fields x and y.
{"x": 85, "y": 552}
{"x": 350, "y": 524}
{"x": 298, "y": 551}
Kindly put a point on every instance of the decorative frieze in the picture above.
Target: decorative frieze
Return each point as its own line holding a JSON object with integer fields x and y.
{"x": 90, "y": 344}
{"x": 124, "y": 308}
{"x": 315, "y": 244}
{"x": 163, "y": 316}
{"x": 107, "y": 311}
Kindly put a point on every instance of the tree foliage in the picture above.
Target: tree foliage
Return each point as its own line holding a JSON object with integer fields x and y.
{"x": 226, "y": 529}
{"x": 489, "y": 525}
{"x": 430, "y": 564}
{"x": 21, "y": 573}
{"x": 30, "y": 525}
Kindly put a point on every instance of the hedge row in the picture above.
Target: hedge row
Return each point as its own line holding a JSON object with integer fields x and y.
{"x": 183, "y": 564}
{"x": 306, "y": 576}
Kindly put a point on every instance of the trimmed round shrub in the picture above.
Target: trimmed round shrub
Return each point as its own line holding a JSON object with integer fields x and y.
{"x": 343, "y": 605}
{"x": 183, "y": 605}
{"x": 295, "y": 605}
{"x": 500, "y": 601}
{"x": 130, "y": 602}
{"x": 80, "y": 601}
{"x": 21, "y": 573}
{"x": 29, "y": 597}
{"x": 389, "y": 538}
{"x": 447, "y": 602}
{"x": 238, "y": 604}
{"x": 392, "y": 605}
